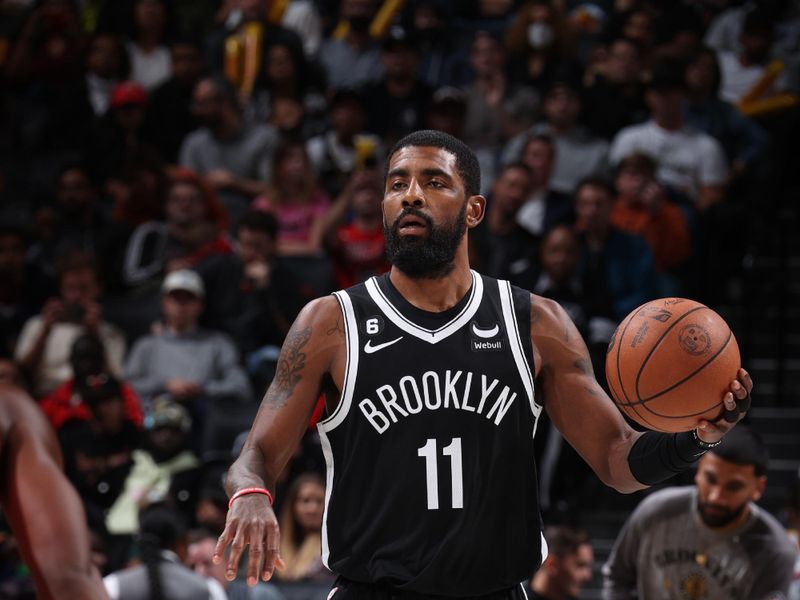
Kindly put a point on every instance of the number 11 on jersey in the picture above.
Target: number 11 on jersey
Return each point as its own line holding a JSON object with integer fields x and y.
{"x": 428, "y": 452}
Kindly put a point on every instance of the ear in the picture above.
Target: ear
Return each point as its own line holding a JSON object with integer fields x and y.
{"x": 761, "y": 484}
{"x": 476, "y": 209}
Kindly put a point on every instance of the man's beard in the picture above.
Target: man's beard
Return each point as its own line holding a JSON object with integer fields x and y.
{"x": 722, "y": 516}
{"x": 422, "y": 257}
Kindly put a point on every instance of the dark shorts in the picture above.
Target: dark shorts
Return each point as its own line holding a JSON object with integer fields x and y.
{"x": 345, "y": 589}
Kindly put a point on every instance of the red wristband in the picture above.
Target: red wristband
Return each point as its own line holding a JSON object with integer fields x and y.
{"x": 252, "y": 490}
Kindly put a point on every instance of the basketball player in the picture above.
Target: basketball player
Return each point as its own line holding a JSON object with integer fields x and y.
{"x": 709, "y": 540}
{"x": 45, "y": 512}
{"x": 428, "y": 373}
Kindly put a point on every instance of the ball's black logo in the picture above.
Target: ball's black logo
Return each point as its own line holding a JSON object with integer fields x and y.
{"x": 611, "y": 342}
{"x": 658, "y": 314}
{"x": 694, "y": 339}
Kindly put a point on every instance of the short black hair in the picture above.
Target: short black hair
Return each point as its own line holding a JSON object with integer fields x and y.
{"x": 758, "y": 21}
{"x": 668, "y": 74}
{"x": 544, "y": 138}
{"x": 517, "y": 164}
{"x": 258, "y": 220}
{"x": 563, "y": 540}
{"x": 596, "y": 181}
{"x": 743, "y": 446}
{"x": 467, "y": 164}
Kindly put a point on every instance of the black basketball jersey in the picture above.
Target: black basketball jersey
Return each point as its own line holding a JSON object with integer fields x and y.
{"x": 431, "y": 482}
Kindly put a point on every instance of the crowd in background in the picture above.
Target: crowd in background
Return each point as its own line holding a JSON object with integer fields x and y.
{"x": 177, "y": 178}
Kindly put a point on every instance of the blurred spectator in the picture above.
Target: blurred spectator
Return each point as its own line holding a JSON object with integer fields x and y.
{"x": 54, "y": 120}
{"x": 73, "y": 220}
{"x": 743, "y": 141}
{"x": 49, "y": 45}
{"x": 151, "y": 23}
{"x": 98, "y": 450}
{"x": 578, "y": 154}
{"x": 352, "y": 231}
{"x": 234, "y": 158}
{"x": 710, "y": 537}
{"x": 116, "y": 138}
{"x": 638, "y": 26}
{"x": 448, "y": 113}
{"x": 200, "y": 554}
{"x": 302, "y": 17}
{"x": 107, "y": 64}
{"x": 354, "y": 59}
{"x": 296, "y": 199}
{"x": 615, "y": 267}
{"x": 212, "y": 501}
{"x": 398, "y": 103}
{"x": 44, "y": 346}
{"x": 169, "y": 116}
{"x": 191, "y": 364}
{"x": 568, "y": 565}
{"x": 679, "y": 32}
{"x": 614, "y": 98}
{"x": 346, "y": 145}
{"x": 301, "y": 526}
{"x": 544, "y": 206}
{"x": 285, "y": 76}
{"x": 689, "y": 161}
{"x": 560, "y": 281}
{"x": 200, "y": 559}
{"x": 69, "y": 401}
{"x": 196, "y": 238}
{"x": 442, "y": 62}
{"x": 741, "y": 72}
{"x": 132, "y": 258}
{"x": 268, "y": 292}
{"x": 241, "y": 22}
{"x": 163, "y": 469}
{"x": 499, "y": 245}
{"x": 725, "y": 30}
{"x": 25, "y": 287}
{"x": 538, "y": 45}
{"x": 497, "y": 109}
{"x": 643, "y": 208}
{"x": 163, "y": 545}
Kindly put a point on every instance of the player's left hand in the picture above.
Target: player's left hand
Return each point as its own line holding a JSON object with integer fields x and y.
{"x": 736, "y": 404}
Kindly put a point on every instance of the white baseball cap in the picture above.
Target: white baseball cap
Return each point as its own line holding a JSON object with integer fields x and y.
{"x": 185, "y": 280}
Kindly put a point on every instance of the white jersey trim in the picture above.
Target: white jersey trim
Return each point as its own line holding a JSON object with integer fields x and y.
{"x": 545, "y": 549}
{"x": 351, "y": 366}
{"x": 346, "y": 399}
{"x": 517, "y": 348}
{"x": 432, "y": 336}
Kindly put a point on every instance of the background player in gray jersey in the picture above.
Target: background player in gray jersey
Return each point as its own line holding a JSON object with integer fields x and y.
{"x": 431, "y": 191}
{"x": 706, "y": 541}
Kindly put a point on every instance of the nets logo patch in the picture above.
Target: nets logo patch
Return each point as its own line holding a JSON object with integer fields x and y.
{"x": 485, "y": 338}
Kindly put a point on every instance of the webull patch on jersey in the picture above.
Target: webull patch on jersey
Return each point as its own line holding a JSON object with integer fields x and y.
{"x": 485, "y": 339}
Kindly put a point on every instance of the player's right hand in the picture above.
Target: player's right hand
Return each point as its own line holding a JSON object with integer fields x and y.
{"x": 250, "y": 522}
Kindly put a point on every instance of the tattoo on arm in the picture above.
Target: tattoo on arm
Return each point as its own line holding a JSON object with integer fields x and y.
{"x": 584, "y": 366}
{"x": 290, "y": 364}
{"x": 336, "y": 329}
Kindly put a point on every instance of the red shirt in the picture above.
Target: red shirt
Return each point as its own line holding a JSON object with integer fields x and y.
{"x": 63, "y": 404}
{"x": 360, "y": 255}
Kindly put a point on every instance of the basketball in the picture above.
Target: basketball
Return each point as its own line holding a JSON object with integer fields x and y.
{"x": 669, "y": 364}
